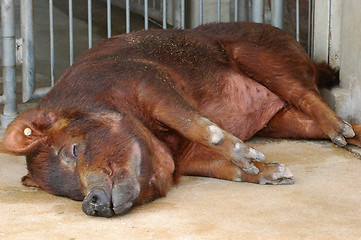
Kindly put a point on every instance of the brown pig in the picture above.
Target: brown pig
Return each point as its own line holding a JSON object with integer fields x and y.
{"x": 137, "y": 111}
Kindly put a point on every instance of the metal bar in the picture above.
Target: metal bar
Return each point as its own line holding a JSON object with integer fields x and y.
{"x": 51, "y": 30}
{"x": 27, "y": 30}
{"x": 164, "y": 14}
{"x": 310, "y": 26}
{"x": 89, "y": 23}
{"x": 127, "y": 16}
{"x": 182, "y": 14}
{"x": 298, "y": 20}
{"x": 145, "y": 14}
{"x": 28, "y": 67}
{"x": 8, "y": 62}
{"x": 218, "y": 11}
{"x": 236, "y": 10}
{"x": 40, "y": 92}
{"x": 109, "y": 18}
{"x": 257, "y": 11}
{"x": 71, "y": 36}
{"x": 277, "y": 13}
{"x": 200, "y": 12}
{"x": 243, "y": 10}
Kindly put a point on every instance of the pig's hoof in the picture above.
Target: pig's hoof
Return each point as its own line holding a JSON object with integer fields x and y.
{"x": 275, "y": 174}
{"x": 269, "y": 173}
{"x": 345, "y": 131}
{"x": 244, "y": 157}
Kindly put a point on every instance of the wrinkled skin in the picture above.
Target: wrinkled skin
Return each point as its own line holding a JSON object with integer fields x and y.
{"x": 137, "y": 111}
{"x": 68, "y": 159}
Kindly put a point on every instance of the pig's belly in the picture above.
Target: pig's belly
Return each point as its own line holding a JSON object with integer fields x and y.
{"x": 243, "y": 107}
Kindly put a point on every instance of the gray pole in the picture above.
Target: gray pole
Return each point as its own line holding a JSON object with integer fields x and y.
{"x": 28, "y": 68}
{"x": 257, "y": 11}
{"x": 277, "y": 13}
{"x": 8, "y": 38}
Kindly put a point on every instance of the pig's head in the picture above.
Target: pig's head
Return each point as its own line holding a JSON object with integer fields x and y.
{"x": 107, "y": 159}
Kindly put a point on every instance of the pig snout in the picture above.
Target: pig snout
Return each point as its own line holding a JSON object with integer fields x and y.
{"x": 97, "y": 203}
{"x": 124, "y": 195}
{"x": 106, "y": 201}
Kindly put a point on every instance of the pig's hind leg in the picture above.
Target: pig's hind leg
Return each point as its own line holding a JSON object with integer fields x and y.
{"x": 288, "y": 72}
{"x": 201, "y": 161}
{"x": 294, "y": 124}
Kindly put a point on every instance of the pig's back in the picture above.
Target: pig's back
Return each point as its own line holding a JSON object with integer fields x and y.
{"x": 197, "y": 67}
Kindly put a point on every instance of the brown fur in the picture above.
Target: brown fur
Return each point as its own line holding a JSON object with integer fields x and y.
{"x": 137, "y": 111}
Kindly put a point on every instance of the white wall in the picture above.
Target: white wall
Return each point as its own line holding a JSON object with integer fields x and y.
{"x": 337, "y": 40}
{"x": 351, "y": 55}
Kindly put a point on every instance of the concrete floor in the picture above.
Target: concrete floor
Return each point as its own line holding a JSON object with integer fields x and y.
{"x": 324, "y": 203}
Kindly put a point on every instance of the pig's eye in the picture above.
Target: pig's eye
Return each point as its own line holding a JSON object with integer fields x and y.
{"x": 69, "y": 156}
{"x": 72, "y": 151}
{"x": 75, "y": 151}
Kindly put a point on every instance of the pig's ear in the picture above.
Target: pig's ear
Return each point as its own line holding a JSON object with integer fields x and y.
{"x": 26, "y": 132}
{"x": 163, "y": 165}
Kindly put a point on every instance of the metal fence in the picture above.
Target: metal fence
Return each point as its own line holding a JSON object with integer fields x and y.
{"x": 165, "y": 13}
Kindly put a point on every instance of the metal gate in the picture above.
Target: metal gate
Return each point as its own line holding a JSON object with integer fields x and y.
{"x": 164, "y": 13}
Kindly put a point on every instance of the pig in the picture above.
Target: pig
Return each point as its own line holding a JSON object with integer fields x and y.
{"x": 138, "y": 111}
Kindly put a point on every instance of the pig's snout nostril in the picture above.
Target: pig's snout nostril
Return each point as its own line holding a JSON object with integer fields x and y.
{"x": 97, "y": 203}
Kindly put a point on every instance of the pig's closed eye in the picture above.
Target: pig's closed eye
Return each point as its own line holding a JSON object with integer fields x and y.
{"x": 75, "y": 151}
{"x": 70, "y": 153}
{"x": 69, "y": 156}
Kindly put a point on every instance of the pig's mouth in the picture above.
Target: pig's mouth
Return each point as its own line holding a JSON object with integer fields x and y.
{"x": 107, "y": 202}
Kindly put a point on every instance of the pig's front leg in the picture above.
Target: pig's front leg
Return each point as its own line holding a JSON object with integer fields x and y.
{"x": 175, "y": 113}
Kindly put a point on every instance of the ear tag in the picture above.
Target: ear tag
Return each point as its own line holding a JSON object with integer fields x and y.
{"x": 27, "y": 131}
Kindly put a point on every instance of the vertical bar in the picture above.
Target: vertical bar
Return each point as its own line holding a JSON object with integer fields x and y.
{"x": 277, "y": 13}
{"x": 127, "y": 16}
{"x": 71, "y": 38}
{"x": 89, "y": 23}
{"x": 257, "y": 11}
{"x": 218, "y": 11}
{"x": 51, "y": 26}
{"x": 27, "y": 32}
{"x": 182, "y": 14}
{"x": 236, "y": 10}
{"x": 176, "y": 13}
{"x": 164, "y": 14}
{"x": 298, "y": 20}
{"x": 243, "y": 10}
{"x": 8, "y": 61}
{"x": 200, "y": 12}
{"x": 109, "y": 18}
{"x": 145, "y": 14}
{"x": 310, "y": 26}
